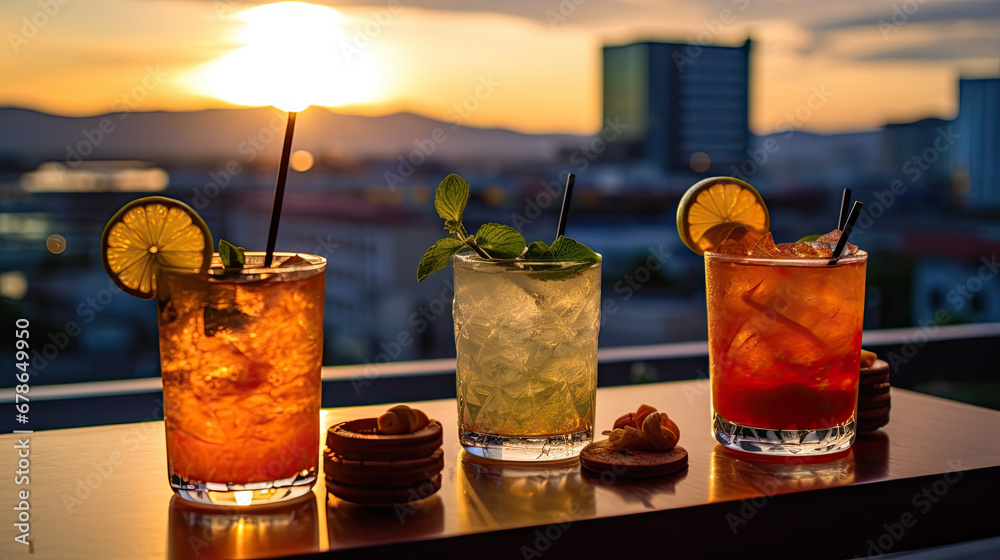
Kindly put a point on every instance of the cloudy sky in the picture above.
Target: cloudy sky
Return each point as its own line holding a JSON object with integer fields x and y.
{"x": 530, "y": 65}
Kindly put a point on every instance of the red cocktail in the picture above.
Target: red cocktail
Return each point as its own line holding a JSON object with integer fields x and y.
{"x": 784, "y": 350}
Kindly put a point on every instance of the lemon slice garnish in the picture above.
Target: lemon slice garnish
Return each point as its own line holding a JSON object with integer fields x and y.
{"x": 720, "y": 208}
{"x": 150, "y": 233}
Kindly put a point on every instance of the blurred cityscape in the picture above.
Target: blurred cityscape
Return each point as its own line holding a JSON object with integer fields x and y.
{"x": 362, "y": 196}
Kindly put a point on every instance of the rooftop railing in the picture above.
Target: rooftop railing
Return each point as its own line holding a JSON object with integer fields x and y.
{"x": 918, "y": 356}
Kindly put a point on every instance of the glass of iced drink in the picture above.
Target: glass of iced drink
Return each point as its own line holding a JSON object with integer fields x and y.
{"x": 240, "y": 353}
{"x": 784, "y": 337}
{"x": 526, "y": 342}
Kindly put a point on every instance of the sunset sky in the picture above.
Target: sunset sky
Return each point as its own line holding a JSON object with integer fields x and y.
{"x": 534, "y": 64}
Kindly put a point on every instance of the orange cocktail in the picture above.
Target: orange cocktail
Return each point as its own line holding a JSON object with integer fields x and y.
{"x": 784, "y": 338}
{"x": 240, "y": 352}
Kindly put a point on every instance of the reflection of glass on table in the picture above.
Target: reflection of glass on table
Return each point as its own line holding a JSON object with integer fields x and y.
{"x": 284, "y": 529}
{"x": 641, "y": 490}
{"x": 871, "y": 453}
{"x": 735, "y": 476}
{"x": 349, "y": 524}
{"x": 492, "y": 494}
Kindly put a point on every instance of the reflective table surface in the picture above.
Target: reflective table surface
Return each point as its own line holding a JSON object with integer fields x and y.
{"x": 921, "y": 481}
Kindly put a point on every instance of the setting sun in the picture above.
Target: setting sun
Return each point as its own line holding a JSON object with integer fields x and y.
{"x": 291, "y": 55}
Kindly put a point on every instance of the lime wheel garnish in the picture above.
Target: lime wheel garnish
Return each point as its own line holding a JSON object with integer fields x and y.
{"x": 148, "y": 234}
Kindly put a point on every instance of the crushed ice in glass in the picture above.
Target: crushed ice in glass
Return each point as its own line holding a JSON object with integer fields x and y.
{"x": 766, "y": 248}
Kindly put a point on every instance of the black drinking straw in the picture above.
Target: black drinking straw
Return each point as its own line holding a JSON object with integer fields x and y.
{"x": 564, "y": 213}
{"x": 845, "y": 203}
{"x": 279, "y": 189}
{"x": 851, "y": 218}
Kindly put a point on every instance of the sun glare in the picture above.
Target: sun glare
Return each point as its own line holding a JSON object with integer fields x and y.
{"x": 292, "y": 55}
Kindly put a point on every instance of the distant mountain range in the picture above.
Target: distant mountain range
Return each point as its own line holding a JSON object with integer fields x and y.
{"x": 29, "y": 137}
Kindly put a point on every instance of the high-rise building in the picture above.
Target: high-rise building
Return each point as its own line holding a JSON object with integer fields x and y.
{"x": 686, "y": 106}
{"x": 977, "y": 161}
{"x": 918, "y": 151}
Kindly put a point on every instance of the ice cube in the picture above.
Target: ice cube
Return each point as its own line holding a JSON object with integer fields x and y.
{"x": 227, "y": 371}
{"x": 830, "y": 240}
{"x": 221, "y": 319}
{"x": 732, "y": 247}
{"x": 765, "y": 247}
{"x": 168, "y": 313}
{"x": 515, "y": 300}
{"x": 830, "y": 237}
{"x": 290, "y": 261}
{"x": 719, "y": 234}
{"x": 803, "y": 250}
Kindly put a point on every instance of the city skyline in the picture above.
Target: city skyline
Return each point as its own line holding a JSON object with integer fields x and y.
{"x": 541, "y": 62}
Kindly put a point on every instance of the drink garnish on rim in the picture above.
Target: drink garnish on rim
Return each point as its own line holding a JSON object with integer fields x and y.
{"x": 492, "y": 241}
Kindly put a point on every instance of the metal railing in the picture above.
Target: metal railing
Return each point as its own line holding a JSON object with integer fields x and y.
{"x": 616, "y": 355}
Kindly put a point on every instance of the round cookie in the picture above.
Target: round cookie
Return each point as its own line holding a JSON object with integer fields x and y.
{"x": 386, "y": 474}
{"x": 873, "y": 419}
{"x": 366, "y": 466}
{"x": 633, "y": 463}
{"x": 383, "y": 496}
{"x": 359, "y": 440}
{"x": 877, "y": 374}
{"x": 874, "y": 398}
{"x": 875, "y": 379}
{"x": 873, "y": 413}
{"x": 878, "y": 400}
{"x": 869, "y": 391}
{"x": 878, "y": 366}
{"x": 872, "y": 424}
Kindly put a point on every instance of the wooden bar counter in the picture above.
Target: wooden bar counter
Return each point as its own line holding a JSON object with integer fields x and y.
{"x": 931, "y": 477}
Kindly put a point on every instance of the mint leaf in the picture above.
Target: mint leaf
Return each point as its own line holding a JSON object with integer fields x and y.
{"x": 450, "y": 199}
{"x": 231, "y": 255}
{"x": 500, "y": 241}
{"x": 437, "y": 256}
{"x": 568, "y": 249}
{"x": 538, "y": 250}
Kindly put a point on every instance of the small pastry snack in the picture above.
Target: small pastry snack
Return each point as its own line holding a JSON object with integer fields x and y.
{"x": 386, "y": 460}
{"x": 402, "y": 419}
{"x": 642, "y": 443}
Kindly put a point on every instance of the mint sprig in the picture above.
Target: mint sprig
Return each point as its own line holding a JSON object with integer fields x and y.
{"x": 492, "y": 240}
{"x": 231, "y": 255}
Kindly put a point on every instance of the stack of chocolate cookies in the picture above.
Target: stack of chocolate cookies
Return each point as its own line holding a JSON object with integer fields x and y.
{"x": 874, "y": 400}
{"x": 366, "y": 466}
